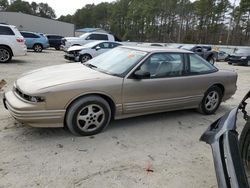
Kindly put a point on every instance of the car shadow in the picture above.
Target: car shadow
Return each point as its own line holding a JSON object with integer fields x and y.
{"x": 169, "y": 119}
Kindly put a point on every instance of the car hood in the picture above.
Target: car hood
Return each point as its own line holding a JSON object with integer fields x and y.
{"x": 75, "y": 48}
{"x": 39, "y": 80}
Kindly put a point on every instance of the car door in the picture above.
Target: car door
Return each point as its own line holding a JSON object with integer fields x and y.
{"x": 165, "y": 89}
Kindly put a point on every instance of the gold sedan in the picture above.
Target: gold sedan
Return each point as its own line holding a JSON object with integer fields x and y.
{"x": 121, "y": 83}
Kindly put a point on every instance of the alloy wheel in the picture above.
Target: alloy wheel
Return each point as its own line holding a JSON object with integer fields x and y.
{"x": 90, "y": 118}
{"x": 4, "y": 55}
{"x": 212, "y": 100}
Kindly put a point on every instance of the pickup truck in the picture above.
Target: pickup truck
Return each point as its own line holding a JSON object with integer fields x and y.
{"x": 86, "y": 38}
{"x": 204, "y": 51}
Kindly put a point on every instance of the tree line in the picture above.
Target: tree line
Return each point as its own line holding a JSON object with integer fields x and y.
{"x": 33, "y": 8}
{"x": 181, "y": 21}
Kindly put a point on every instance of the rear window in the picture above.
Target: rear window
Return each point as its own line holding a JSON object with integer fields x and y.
{"x": 6, "y": 31}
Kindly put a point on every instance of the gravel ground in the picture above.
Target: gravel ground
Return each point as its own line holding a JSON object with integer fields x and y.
{"x": 167, "y": 143}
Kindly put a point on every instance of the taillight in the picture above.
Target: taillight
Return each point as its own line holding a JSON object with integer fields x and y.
{"x": 19, "y": 40}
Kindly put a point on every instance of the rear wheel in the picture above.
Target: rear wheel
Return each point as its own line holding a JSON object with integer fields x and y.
{"x": 84, "y": 58}
{"x": 211, "y": 100}
{"x": 88, "y": 116}
{"x": 38, "y": 48}
{"x": 5, "y": 54}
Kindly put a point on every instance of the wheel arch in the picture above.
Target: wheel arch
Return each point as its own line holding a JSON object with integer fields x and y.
{"x": 38, "y": 44}
{"x": 6, "y": 46}
{"x": 86, "y": 54}
{"x": 219, "y": 85}
{"x": 102, "y": 95}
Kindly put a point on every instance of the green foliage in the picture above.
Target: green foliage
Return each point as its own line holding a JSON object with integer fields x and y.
{"x": 4, "y": 4}
{"x": 41, "y": 9}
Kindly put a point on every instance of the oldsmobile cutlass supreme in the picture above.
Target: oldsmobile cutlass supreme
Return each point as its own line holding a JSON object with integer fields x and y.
{"x": 121, "y": 83}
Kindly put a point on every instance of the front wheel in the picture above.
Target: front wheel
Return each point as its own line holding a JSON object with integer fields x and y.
{"x": 5, "y": 55}
{"x": 38, "y": 48}
{"x": 211, "y": 101}
{"x": 84, "y": 58}
{"x": 88, "y": 116}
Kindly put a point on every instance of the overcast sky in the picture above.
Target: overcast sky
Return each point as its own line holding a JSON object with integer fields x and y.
{"x": 63, "y": 7}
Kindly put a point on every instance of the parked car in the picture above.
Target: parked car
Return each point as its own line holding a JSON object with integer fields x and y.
{"x": 123, "y": 82}
{"x": 240, "y": 57}
{"x": 221, "y": 56}
{"x": 203, "y": 51}
{"x": 55, "y": 41}
{"x": 88, "y": 51}
{"x": 86, "y": 38}
{"x": 11, "y": 43}
{"x": 231, "y": 154}
{"x": 35, "y": 41}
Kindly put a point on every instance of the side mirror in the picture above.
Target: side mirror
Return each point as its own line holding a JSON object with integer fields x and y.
{"x": 140, "y": 74}
{"x": 97, "y": 48}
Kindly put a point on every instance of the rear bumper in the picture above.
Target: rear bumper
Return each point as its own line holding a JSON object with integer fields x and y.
{"x": 21, "y": 51}
{"x": 31, "y": 113}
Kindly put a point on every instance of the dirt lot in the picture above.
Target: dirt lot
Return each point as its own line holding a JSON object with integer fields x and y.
{"x": 118, "y": 157}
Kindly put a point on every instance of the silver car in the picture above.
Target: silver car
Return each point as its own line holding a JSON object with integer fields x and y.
{"x": 123, "y": 82}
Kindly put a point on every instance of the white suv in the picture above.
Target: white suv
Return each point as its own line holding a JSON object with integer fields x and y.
{"x": 86, "y": 38}
{"x": 11, "y": 43}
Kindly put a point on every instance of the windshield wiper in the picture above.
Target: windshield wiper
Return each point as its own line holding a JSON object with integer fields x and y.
{"x": 90, "y": 65}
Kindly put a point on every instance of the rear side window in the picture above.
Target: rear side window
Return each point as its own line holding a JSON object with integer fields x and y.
{"x": 200, "y": 66}
{"x": 29, "y": 35}
{"x": 6, "y": 31}
{"x": 97, "y": 37}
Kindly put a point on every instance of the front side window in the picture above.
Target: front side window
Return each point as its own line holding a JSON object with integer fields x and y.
{"x": 97, "y": 37}
{"x": 104, "y": 45}
{"x": 6, "y": 31}
{"x": 200, "y": 66}
{"x": 164, "y": 65}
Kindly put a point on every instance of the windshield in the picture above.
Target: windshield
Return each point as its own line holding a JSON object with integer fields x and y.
{"x": 84, "y": 35}
{"x": 117, "y": 61}
{"x": 243, "y": 51}
{"x": 187, "y": 47}
{"x": 91, "y": 44}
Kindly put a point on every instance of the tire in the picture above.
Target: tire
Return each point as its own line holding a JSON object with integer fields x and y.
{"x": 38, "y": 48}
{"x": 58, "y": 48}
{"x": 84, "y": 58}
{"x": 211, "y": 101}
{"x": 88, "y": 116}
{"x": 211, "y": 60}
{"x": 5, "y": 54}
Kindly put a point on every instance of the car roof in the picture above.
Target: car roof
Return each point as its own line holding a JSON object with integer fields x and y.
{"x": 6, "y": 25}
{"x": 157, "y": 49}
{"x": 30, "y": 32}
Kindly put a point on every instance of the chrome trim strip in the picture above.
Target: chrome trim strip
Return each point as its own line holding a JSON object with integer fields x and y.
{"x": 161, "y": 103}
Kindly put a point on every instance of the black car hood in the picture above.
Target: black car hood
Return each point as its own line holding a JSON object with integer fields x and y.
{"x": 240, "y": 55}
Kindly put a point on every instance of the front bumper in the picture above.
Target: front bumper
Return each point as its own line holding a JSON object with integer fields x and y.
{"x": 69, "y": 57}
{"x": 223, "y": 139}
{"x": 33, "y": 114}
{"x": 244, "y": 62}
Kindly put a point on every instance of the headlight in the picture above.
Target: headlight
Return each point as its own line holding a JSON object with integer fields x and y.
{"x": 243, "y": 58}
{"x": 36, "y": 99}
